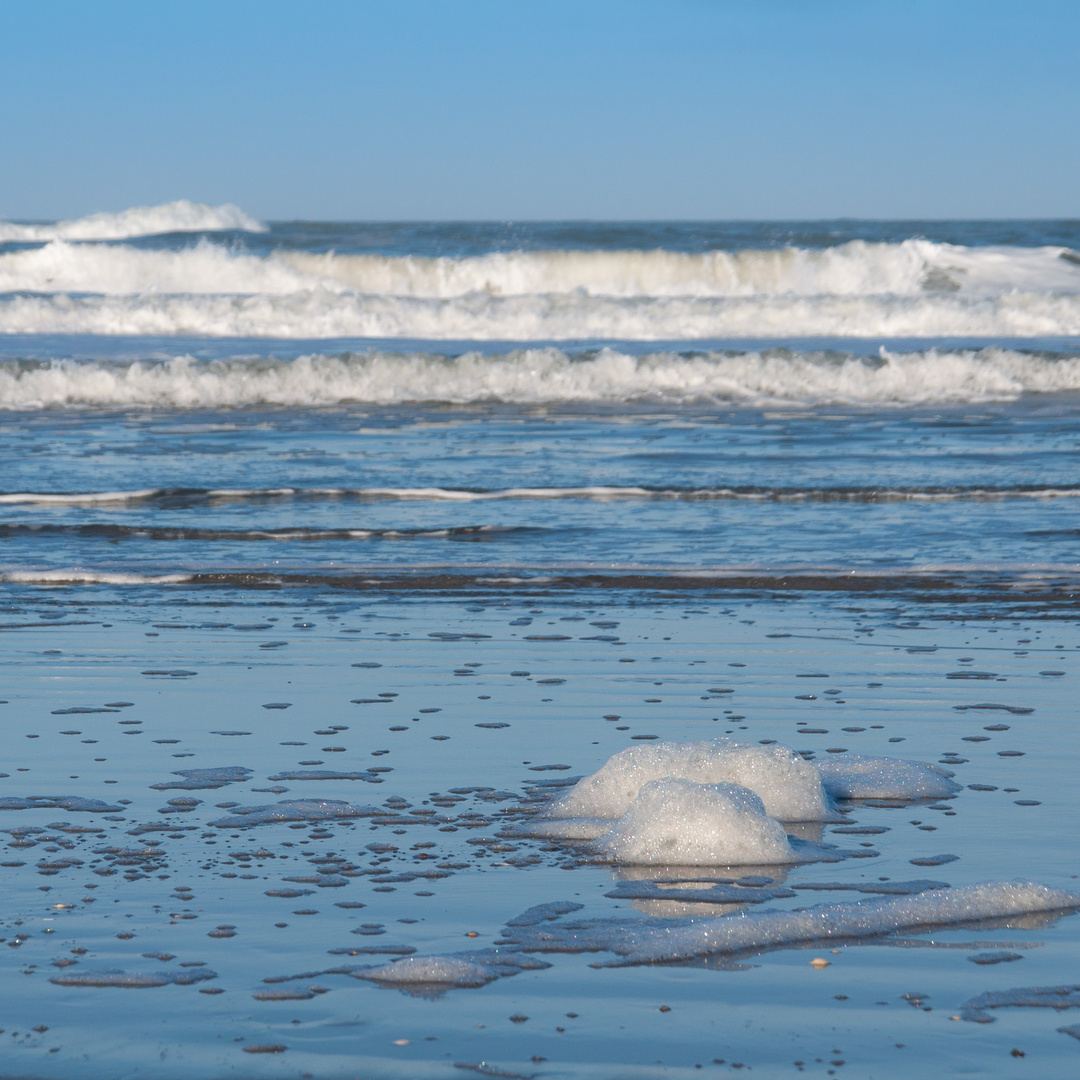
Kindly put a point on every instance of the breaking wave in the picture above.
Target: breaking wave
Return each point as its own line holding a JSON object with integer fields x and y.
{"x": 180, "y": 216}
{"x": 779, "y": 377}
{"x": 915, "y": 288}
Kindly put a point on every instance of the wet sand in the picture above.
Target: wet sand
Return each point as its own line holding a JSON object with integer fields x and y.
{"x": 446, "y": 721}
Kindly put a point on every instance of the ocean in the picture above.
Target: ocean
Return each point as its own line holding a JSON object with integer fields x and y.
{"x": 350, "y": 516}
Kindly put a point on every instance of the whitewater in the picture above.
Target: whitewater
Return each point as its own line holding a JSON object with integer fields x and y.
{"x": 778, "y": 377}
{"x": 191, "y": 269}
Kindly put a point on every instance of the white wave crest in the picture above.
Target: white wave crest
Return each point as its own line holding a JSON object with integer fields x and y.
{"x": 89, "y": 577}
{"x": 540, "y": 375}
{"x": 553, "y": 317}
{"x": 911, "y": 289}
{"x": 179, "y": 216}
{"x": 908, "y": 269}
{"x": 857, "y": 268}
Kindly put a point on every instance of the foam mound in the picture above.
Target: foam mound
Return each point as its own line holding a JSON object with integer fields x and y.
{"x": 431, "y": 971}
{"x": 789, "y": 788}
{"x": 852, "y": 776}
{"x": 675, "y": 822}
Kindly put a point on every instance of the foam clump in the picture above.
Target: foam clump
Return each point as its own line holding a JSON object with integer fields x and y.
{"x": 71, "y": 803}
{"x": 753, "y": 931}
{"x": 431, "y": 971}
{"x": 295, "y": 810}
{"x": 1028, "y": 997}
{"x": 853, "y": 776}
{"x": 789, "y": 787}
{"x": 676, "y": 822}
{"x": 199, "y": 779}
{"x": 124, "y": 980}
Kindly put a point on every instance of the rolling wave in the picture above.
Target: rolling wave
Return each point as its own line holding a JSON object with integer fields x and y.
{"x": 857, "y": 268}
{"x": 779, "y": 377}
{"x": 187, "y": 497}
{"x": 914, "y": 288}
{"x": 548, "y": 317}
{"x": 180, "y": 216}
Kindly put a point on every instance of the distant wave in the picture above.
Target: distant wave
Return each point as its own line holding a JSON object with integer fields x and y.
{"x": 911, "y": 289}
{"x": 186, "y": 497}
{"x": 778, "y": 377}
{"x": 179, "y": 216}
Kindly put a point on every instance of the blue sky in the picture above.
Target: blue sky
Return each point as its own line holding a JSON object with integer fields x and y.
{"x": 532, "y": 109}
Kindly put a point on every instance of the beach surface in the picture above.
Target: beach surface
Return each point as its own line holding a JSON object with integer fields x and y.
{"x": 334, "y": 557}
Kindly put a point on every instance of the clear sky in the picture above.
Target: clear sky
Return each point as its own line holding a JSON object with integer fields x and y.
{"x": 532, "y": 109}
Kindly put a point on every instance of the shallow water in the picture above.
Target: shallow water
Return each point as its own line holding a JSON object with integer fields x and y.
{"x": 456, "y": 601}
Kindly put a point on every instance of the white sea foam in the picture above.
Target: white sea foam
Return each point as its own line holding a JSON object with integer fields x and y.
{"x": 89, "y": 577}
{"x": 179, "y": 216}
{"x": 912, "y": 268}
{"x": 541, "y": 375}
{"x": 911, "y": 289}
{"x": 326, "y": 312}
{"x": 675, "y": 822}
{"x": 789, "y": 788}
{"x": 754, "y": 930}
{"x": 431, "y": 971}
{"x": 76, "y": 497}
{"x": 853, "y": 776}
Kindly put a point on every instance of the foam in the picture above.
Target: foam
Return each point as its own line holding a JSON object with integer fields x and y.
{"x": 853, "y": 776}
{"x": 244, "y": 817}
{"x": 675, "y": 822}
{"x": 179, "y": 216}
{"x": 430, "y": 971}
{"x": 1029, "y": 997}
{"x": 789, "y": 788}
{"x": 203, "y": 779}
{"x": 539, "y": 375}
{"x": 89, "y": 577}
{"x": 909, "y": 268}
{"x": 912, "y": 269}
{"x": 328, "y": 313}
{"x": 71, "y": 803}
{"x": 113, "y": 977}
{"x": 648, "y": 941}
{"x": 45, "y": 498}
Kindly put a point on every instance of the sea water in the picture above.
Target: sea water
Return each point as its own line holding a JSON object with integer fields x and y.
{"x": 569, "y": 649}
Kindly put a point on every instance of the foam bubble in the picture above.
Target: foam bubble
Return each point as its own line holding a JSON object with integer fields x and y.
{"x": 789, "y": 788}
{"x": 853, "y": 776}
{"x": 676, "y": 822}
